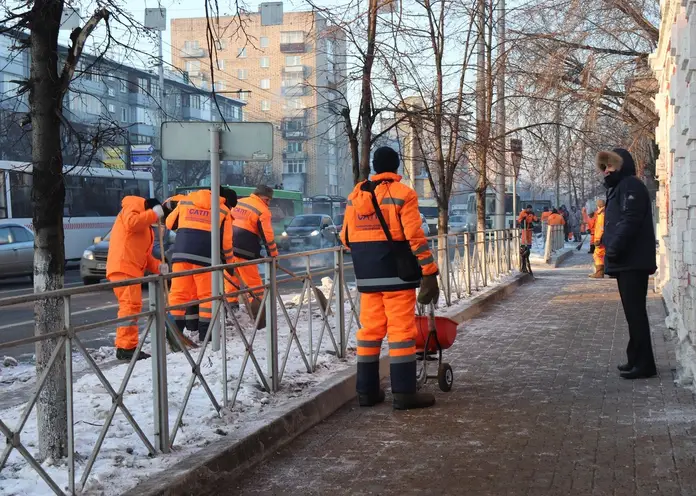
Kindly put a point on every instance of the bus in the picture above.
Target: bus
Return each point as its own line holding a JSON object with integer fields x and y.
{"x": 510, "y": 216}
{"x": 284, "y": 206}
{"x": 92, "y": 199}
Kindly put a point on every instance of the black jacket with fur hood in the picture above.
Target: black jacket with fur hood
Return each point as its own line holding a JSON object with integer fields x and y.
{"x": 629, "y": 235}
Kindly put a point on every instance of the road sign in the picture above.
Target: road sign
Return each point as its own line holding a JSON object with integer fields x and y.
{"x": 250, "y": 141}
{"x": 142, "y": 168}
{"x": 142, "y": 149}
{"x": 142, "y": 154}
{"x": 142, "y": 159}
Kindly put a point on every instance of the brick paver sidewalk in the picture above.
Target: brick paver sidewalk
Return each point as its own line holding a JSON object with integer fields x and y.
{"x": 538, "y": 408}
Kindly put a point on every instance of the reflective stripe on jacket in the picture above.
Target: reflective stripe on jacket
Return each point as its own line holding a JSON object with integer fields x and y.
{"x": 373, "y": 261}
{"x": 191, "y": 220}
{"x": 252, "y": 227}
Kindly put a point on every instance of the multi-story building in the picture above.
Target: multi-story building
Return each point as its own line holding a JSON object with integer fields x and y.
{"x": 291, "y": 74}
{"x": 117, "y": 107}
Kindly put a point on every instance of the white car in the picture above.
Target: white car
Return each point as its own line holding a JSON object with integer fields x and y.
{"x": 424, "y": 225}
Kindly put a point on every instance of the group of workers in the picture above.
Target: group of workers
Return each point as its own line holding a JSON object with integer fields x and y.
{"x": 245, "y": 227}
{"x": 551, "y": 217}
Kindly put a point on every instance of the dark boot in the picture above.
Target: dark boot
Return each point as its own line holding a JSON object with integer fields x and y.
{"x": 255, "y": 309}
{"x": 202, "y": 330}
{"x": 639, "y": 373}
{"x": 127, "y": 355}
{"x": 367, "y": 384}
{"x": 624, "y": 367}
{"x": 403, "y": 379}
{"x": 599, "y": 273}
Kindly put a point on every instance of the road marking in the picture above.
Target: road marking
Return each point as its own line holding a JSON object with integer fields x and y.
{"x": 79, "y": 312}
{"x": 31, "y": 290}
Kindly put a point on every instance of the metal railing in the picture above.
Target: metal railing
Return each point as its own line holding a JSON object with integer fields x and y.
{"x": 303, "y": 326}
{"x": 555, "y": 240}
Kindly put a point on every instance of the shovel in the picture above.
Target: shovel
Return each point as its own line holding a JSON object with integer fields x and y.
{"x": 172, "y": 342}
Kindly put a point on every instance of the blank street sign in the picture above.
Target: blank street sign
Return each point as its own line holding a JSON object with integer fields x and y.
{"x": 250, "y": 141}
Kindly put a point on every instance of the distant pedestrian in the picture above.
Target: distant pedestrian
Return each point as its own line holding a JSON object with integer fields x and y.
{"x": 566, "y": 227}
{"x": 574, "y": 221}
{"x": 629, "y": 239}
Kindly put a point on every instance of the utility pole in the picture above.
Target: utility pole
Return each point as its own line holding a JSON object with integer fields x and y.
{"x": 500, "y": 117}
{"x": 482, "y": 133}
{"x": 558, "y": 154}
{"x": 156, "y": 19}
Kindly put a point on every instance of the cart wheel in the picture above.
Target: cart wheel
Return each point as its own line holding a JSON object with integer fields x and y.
{"x": 445, "y": 377}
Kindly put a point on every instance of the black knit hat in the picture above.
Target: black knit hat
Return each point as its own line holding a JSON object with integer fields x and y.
{"x": 385, "y": 160}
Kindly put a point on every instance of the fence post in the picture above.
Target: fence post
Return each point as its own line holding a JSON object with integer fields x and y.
{"x": 272, "y": 326}
{"x": 467, "y": 261}
{"x": 340, "y": 302}
{"x": 69, "y": 395}
{"x": 159, "y": 365}
{"x": 508, "y": 245}
{"x": 446, "y": 275}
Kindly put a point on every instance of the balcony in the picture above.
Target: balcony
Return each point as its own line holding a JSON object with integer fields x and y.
{"x": 295, "y": 90}
{"x": 141, "y": 99}
{"x": 190, "y": 113}
{"x": 292, "y": 47}
{"x": 193, "y": 53}
{"x": 142, "y": 129}
{"x": 294, "y": 133}
{"x": 294, "y": 155}
{"x": 301, "y": 71}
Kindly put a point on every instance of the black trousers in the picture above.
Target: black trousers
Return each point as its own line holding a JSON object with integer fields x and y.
{"x": 633, "y": 288}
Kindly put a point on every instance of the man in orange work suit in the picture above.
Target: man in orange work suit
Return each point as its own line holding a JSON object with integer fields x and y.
{"x": 526, "y": 222}
{"x": 600, "y": 250}
{"x": 252, "y": 228}
{"x": 388, "y": 301}
{"x": 191, "y": 219}
{"x": 130, "y": 255}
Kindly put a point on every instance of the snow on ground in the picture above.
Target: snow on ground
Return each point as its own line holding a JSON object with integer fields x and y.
{"x": 123, "y": 460}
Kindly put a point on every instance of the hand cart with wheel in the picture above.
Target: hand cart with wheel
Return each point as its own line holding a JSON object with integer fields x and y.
{"x": 434, "y": 334}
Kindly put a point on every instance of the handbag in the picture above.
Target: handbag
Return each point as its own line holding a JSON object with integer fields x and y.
{"x": 407, "y": 267}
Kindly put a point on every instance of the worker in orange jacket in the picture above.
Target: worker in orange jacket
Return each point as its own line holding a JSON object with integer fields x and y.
{"x": 556, "y": 219}
{"x": 191, "y": 311}
{"x": 526, "y": 222}
{"x": 191, "y": 219}
{"x": 600, "y": 250}
{"x": 388, "y": 296}
{"x": 589, "y": 221}
{"x": 253, "y": 229}
{"x": 130, "y": 255}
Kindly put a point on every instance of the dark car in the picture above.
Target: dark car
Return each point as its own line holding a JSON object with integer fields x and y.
{"x": 16, "y": 251}
{"x": 309, "y": 232}
{"x": 93, "y": 262}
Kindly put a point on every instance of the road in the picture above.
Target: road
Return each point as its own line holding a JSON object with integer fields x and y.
{"x": 18, "y": 321}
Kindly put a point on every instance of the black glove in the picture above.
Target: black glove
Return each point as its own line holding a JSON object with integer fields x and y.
{"x": 167, "y": 210}
{"x": 150, "y": 203}
{"x": 429, "y": 290}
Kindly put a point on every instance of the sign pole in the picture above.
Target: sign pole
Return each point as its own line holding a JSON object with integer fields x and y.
{"x": 215, "y": 233}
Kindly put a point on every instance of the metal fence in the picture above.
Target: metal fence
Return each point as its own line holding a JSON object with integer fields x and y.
{"x": 303, "y": 327}
{"x": 555, "y": 240}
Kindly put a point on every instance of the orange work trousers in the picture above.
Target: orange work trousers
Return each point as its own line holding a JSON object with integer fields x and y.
{"x": 249, "y": 274}
{"x": 391, "y": 314}
{"x": 526, "y": 237}
{"x": 598, "y": 255}
{"x": 130, "y": 302}
{"x": 189, "y": 288}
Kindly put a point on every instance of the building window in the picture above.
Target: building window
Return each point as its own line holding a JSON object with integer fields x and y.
{"x": 110, "y": 76}
{"x": 295, "y": 104}
{"x": 265, "y": 105}
{"x": 142, "y": 86}
{"x": 220, "y": 44}
{"x": 219, "y": 86}
{"x": 243, "y": 96}
{"x": 195, "y": 101}
{"x": 112, "y": 92}
{"x": 291, "y": 37}
{"x": 294, "y": 166}
{"x": 193, "y": 66}
{"x": 263, "y": 42}
{"x": 191, "y": 45}
{"x": 242, "y": 73}
{"x": 220, "y": 64}
{"x": 124, "y": 114}
{"x": 124, "y": 86}
{"x": 242, "y": 53}
{"x": 293, "y": 60}
{"x": 112, "y": 108}
{"x": 265, "y": 84}
{"x": 265, "y": 62}
{"x": 294, "y": 146}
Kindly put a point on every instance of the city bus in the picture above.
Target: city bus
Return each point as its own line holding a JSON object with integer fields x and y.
{"x": 92, "y": 199}
{"x": 284, "y": 206}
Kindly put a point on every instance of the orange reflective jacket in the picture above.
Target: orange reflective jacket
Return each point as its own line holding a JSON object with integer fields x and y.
{"x": 252, "y": 226}
{"x": 173, "y": 201}
{"x": 556, "y": 220}
{"x": 373, "y": 261}
{"x": 526, "y": 220}
{"x": 131, "y": 240}
{"x": 545, "y": 216}
{"x": 599, "y": 224}
{"x": 191, "y": 220}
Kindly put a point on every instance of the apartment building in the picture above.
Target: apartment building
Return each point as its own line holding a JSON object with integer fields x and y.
{"x": 291, "y": 74}
{"x": 119, "y": 103}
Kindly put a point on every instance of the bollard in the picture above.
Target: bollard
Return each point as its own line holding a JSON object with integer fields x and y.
{"x": 340, "y": 296}
{"x": 272, "y": 325}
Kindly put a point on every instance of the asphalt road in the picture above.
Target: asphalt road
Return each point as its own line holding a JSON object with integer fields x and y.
{"x": 17, "y": 321}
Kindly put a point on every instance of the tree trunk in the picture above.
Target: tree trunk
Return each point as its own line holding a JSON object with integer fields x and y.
{"x": 48, "y": 198}
{"x": 481, "y": 120}
{"x": 366, "y": 116}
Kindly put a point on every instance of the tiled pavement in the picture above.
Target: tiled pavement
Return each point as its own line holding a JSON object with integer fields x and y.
{"x": 537, "y": 408}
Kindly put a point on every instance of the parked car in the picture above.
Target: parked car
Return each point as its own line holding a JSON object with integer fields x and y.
{"x": 424, "y": 225}
{"x": 309, "y": 232}
{"x": 93, "y": 261}
{"x": 16, "y": 251}
{"x": 458, "y": 224}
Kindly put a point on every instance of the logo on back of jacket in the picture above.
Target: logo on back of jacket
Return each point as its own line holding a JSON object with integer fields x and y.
{"x": 198, "y": 215}
{"x": 368, "y": 222}
{"x": 240, "y": 212}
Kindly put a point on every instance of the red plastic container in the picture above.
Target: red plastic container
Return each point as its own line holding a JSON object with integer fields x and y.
{"x": 446, "y": 331}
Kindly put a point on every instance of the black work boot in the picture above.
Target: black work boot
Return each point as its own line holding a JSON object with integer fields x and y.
{"x": 127, "y": 355}
{"x": 405, "y": 397}
{"x": 367, "y": 383}
{"x": 202, "y": 330}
